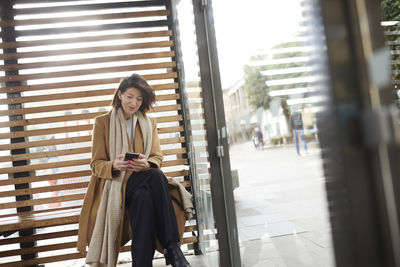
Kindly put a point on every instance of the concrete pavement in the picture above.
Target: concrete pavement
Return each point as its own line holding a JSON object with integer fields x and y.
{"x": 285, "y": 221}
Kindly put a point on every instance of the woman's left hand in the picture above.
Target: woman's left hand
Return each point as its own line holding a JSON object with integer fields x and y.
{"x": 139, "y": 164}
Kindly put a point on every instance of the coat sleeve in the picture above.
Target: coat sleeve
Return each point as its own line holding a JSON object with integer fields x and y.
{"x": 101, "y": 164}
{"x": 155, "y": 157}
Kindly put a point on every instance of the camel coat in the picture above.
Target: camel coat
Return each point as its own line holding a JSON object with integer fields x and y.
{"x": 101, "y": 167}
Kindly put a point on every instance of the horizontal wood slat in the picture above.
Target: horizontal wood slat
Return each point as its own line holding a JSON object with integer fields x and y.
{"x": 157, "y": 24}
{"x": 41, "y": 143}
{"x": 74, "y": 117}
{"x": 85, "y": 105}
{"x": 59, "y": 164}
{"x": 60, "y": 19}
{"x": 69, "y": 186}
{"x": 53, "y": 188}
{"x": 165, "y": 108}
{"x": 24, "y": 251}
{"x": 71, "y": 140}
{"x": 26, "y": 214}
{"x": 191, "y": 239}
{"x": 43, "y": 260}
{"x": 37, "y": 132}
{"x": 63, "y": 85}
{"x": 173, "y": 140}
{"x": 23, "y": 111}
{"x": 176, "y": 151}
{"x": 41, "y": 201}
{"x": 170, "y": 129}
{"x": 77, "y": 117}
{"x": 174, "y": 162}
{"x": 41, "y": 178}
{"x": 89, "y": 6}
{"x": 108, "y": 59}
{"x": 174, "y": 118}
{"x": 46, "y": 154}
{"x": 48, "y": 75}
{"x": 167, "y": 97}
{"x": 178, "y": 174}
{"x": 38, "y": 237}
{"x": 68, "y": 163}
{"x": 69, "y": 129}
{"x": 98, "y": 81}
{"x": 97, "y": 49}
{"x": 72, "y": 151}
{"x": 65, "y": 220}
{"x": 80, "y": 39}
{"x": 57, "y": 96}
{"x": 68, "y": 175}
{"x": 72, "y": 95}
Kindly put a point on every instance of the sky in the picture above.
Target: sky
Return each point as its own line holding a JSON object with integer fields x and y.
{"x": 243, "y": 27}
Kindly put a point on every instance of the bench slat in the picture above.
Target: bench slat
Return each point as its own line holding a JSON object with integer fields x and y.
{"x": 27, "y": 213}
{"x": 87, "y": 38}
{"x": 31, "y": 238}
{"x": 41, "y": 201}
{"x": 40, "y": 223}
{"x": 72, "y": 140}
{"x": 41, "y": 178}
{"x": 94, "y": 82}
{"x": 53, "y": 188}
{"x": 93, "y": 49}
{"x": 24, "y": 251}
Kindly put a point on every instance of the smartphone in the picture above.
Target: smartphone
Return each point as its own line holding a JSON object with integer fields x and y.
{"x": 131, "y": 155}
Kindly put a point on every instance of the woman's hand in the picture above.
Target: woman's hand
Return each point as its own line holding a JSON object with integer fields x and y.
{"x": 119, "y": 163}
{"x": 139, "y": 164}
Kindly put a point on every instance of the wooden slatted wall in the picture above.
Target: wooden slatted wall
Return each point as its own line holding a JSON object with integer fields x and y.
{"x": 60, "y": 63}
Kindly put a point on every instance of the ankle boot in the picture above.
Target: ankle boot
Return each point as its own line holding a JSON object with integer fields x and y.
{"x": 173, "y": 255}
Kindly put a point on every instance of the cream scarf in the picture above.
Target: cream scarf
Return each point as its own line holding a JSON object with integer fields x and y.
{"x": 103, "y": 247}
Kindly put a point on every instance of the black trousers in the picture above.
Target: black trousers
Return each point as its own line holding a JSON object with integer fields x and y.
{"x": 151, "y": 215}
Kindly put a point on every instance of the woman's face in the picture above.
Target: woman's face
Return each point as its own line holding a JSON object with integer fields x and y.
{"x": 131, "y": 100}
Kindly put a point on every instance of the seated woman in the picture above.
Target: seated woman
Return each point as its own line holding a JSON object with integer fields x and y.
{"x": 123, "y": 192}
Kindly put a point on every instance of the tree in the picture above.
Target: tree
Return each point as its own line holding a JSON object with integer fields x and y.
{"x": 390, "y": 10}
{"x": 256, "y": 87}
{"x": 256, "y": 81}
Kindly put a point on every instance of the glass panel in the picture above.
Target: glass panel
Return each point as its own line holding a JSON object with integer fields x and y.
{"x": 196, "y": 134}
{"x": 269, "y": 76}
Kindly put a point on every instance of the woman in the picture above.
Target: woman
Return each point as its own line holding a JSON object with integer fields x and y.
{"x": 128, "y": 192}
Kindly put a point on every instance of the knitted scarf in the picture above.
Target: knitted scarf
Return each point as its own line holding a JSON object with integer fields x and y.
{"x": 103, "y": 247}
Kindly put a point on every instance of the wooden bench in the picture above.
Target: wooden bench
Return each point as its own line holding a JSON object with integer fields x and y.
{"x": 55, "y": 81}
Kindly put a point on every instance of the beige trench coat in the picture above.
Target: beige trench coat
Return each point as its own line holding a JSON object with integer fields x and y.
{"x": 101, "y": 167}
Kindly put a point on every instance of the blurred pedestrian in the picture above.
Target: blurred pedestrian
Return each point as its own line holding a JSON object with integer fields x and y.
{"x": 296, "y": 122}
{"x": 258, "y": 138}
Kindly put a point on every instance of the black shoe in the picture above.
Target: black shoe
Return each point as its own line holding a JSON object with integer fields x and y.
{"x": 173, "y": 255}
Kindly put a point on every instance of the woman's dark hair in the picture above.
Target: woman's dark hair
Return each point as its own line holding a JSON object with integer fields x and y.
{"x": 135, "y": 81}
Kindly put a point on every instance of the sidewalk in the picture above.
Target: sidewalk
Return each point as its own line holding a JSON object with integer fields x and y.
{"x": 285, "y": 221}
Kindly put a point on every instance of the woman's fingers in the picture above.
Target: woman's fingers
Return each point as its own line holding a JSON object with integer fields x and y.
{"x": 138, "y": 164}
{"x": 119, "y": 162}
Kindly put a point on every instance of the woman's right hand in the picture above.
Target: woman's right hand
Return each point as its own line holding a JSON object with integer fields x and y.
{"x": 119, "y": 163}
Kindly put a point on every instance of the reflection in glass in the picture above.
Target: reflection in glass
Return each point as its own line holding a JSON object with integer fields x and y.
{"x": 271, "y": 113}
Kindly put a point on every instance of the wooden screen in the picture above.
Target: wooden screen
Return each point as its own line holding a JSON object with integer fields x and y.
{"x": 60, "y": 64}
